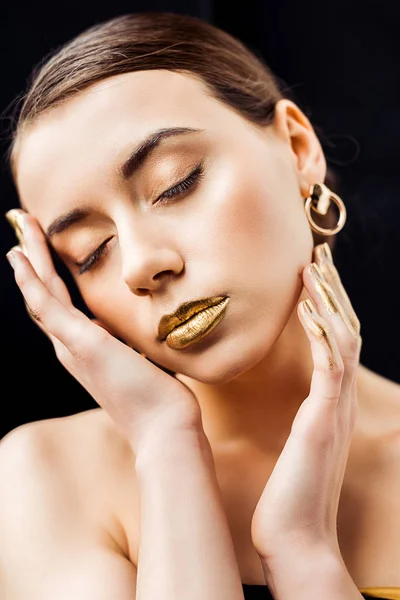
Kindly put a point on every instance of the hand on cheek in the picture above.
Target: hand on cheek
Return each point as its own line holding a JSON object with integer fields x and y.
{"x": 298, "y": 506}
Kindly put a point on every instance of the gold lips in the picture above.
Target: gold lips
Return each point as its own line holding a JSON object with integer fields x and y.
{"x": 185, "y": 312}
{"x": 197, "y": 327}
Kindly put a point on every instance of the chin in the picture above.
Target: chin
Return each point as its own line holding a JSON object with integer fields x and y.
{"x": 228, "y": 359}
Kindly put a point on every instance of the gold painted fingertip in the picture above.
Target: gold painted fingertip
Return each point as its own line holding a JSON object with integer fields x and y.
{"x": 331, "y": 300}
{"x": 316, "y": 272}
{"x": 334, "y": 276}
{"x": 323, "y": 252}
{"x": 15, "y": 217}
{"x": 320, "y": 331}
{"x": 308, "y": 307}
{"x": 334, "y": 306}
{"x": 326, "y": 292}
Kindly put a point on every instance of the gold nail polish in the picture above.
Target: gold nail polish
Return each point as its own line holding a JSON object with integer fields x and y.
{"x": 327, "y": 297}
{"x": 323, "y": 288}
{"x": 308, "y": 307}
{"x": 15, "y": 218}
{"x": 331, "y": 273}
{"x": 323, "y": 252}
{"x": 319, "y": 331}
{"x": 316, "y": 272}
{"x": 333, "y": 306}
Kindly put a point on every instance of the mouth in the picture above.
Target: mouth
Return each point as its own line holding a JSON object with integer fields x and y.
{"x": 192, "y": 321}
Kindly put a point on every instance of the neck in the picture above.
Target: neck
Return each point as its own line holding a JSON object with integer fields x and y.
{"x": 258, "y": 407}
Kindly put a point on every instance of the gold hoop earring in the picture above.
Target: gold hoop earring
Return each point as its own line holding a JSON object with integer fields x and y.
{"x": 319, "y": 200}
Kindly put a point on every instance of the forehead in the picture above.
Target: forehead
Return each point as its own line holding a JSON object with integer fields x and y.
{"x": 99, "y": 126}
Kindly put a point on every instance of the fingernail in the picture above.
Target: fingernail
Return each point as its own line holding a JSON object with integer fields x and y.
{"x": 16, "y": 219}
{"x": 11, "y": 257}
{"x": 320, "y": 331}
{"x": 308, "y": 306}
{"x": 323, "y": 251}
{"x": 316, "y": 272}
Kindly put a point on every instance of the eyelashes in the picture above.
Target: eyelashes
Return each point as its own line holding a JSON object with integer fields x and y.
{"x": 182, "y": 186}
{"x": 166, "y": 197}
{"x": 86, "y": 264}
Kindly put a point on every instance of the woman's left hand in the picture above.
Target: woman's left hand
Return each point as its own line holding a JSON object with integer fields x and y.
{"x": 297, "y": 510}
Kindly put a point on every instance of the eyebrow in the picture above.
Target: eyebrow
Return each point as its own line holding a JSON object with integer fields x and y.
{"x": 133, "y": 163}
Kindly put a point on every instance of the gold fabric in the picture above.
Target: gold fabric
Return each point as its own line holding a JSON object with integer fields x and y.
{"x": 389, "y": 593}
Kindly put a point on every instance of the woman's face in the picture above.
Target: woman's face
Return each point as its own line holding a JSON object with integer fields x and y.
{"x": 215, "y": 210}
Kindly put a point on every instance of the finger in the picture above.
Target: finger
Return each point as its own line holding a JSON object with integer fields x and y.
{"x": 14, "y": 217}
{"x": 332, "y": 311}
{"x": 324, "y": 260}
{"x": 48, "y": 312}
{"x": 328, "y": 305}
{"x": 76, "y": 339}
{"x": 58, "y": 346}
{"x": 315, "y": 420}
{"x": 34, "y": 245}
{"x": 29, "y": 310}
{"x": 328, "y": 364}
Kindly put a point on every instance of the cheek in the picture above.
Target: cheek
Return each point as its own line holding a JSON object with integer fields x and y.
{"x": 110, "y": 301}
{"x": 258, "y": 222}
{"x": 260, "y": 241}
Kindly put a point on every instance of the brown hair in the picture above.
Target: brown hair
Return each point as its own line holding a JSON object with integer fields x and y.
{"x": 140, "y": 41}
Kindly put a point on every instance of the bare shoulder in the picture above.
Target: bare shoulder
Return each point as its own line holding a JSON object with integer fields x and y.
{"x": 379, "y": 399}
{"x": 73, "y": 451}
{"x": 369, "y": 511}
{"x": 377, "y": 433}
{"x": 61, "y": 483}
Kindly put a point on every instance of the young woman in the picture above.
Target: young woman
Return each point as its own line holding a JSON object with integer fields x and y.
{"x": 240, "y": 449}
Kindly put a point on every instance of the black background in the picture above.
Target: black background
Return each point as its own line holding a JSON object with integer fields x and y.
{"x": 341, "y": 59}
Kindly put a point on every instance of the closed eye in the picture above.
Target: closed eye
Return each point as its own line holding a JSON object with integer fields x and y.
{"x": 86, "y": 264}
{"x": 165, "y": 198}
{"x": 181, "y": 187}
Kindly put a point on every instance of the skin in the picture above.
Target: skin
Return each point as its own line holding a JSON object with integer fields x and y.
{"x": 249, "y": 171}
{"x": 243, "y": 231}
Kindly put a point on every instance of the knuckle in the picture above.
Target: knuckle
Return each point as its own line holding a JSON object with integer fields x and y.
{"x": 333, "y": 368}
{"x": 354, "y": 344}
{"x": 330, "y": 399}
{"x": 35, "y": 313}
{"x": 49, "y": 279}
{"x": 336, "y": 370}
{"x": 85, "y": 344}
{"x": 352, "y": 354}
{"x": 62, "y": 353}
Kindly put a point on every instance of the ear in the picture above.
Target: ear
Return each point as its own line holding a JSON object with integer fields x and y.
{"x": 293, "y": 127}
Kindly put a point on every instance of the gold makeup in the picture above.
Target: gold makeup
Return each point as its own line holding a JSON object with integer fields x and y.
{"x": 323, "y": 251}
{"x": 327, "y": 266}
{"x": 329, "y": 298}
{"x": 320, "y": 332}
{"x": 15, "y": 218}
{"x": 34, "y": 314}
{"x": 197, "y": 327}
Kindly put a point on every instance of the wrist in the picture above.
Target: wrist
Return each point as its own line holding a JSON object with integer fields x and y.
{"x": 172, "y": 445}
{"x": 309, "y": 572}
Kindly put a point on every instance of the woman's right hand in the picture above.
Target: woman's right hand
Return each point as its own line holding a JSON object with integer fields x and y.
{"x": 144, "y": 401}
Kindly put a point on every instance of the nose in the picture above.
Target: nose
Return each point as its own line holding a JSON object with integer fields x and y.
{"x": 148, "y": 259}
